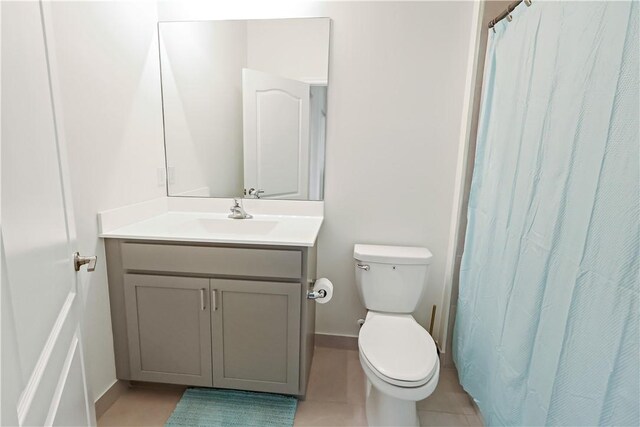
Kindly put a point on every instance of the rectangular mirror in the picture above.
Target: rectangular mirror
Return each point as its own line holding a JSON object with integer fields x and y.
{"x": 244, "y": 105}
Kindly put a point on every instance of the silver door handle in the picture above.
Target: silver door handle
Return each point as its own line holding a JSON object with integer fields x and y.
{"x": 255, "y": 192}
{"x": 364, "y": 267}
{"x": 79, "y": 261}
{"x": 202, "y": 303}
{"x": 214, "y": 303}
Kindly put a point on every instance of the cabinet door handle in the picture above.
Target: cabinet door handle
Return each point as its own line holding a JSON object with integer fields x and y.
{"x": 214, "y": 303}
{"x": 202, "y": 303}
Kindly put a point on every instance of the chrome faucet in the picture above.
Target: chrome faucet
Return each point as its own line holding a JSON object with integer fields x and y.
{"x": 238, "y": 212}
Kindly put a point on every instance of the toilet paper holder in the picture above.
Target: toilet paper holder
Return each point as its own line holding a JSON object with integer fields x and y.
{"x": 315, "y": 294}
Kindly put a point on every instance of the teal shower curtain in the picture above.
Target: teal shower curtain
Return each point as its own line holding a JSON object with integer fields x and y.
{"x": 547, "y": 326}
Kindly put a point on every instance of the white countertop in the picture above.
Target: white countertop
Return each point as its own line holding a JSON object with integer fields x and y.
{"x": 282, "y": 230}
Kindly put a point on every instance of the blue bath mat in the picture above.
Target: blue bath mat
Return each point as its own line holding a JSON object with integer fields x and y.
{"x": 216, "y": 407}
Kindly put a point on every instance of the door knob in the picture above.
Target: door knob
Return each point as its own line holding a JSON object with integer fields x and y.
{"x": 79, "y": 261}
{"x": 255, "y": 192}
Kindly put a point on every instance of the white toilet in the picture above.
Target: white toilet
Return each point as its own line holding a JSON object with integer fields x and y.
{"x": 398, "y": 355}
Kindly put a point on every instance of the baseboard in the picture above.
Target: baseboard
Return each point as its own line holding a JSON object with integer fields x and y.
{"x": 343, "y": 342}
{"x": 109, "y": 397}
{"x": 446, "y": 359}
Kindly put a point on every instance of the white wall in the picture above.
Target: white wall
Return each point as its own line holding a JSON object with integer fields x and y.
{"x": 107, "y": 58}
{"x": 292, "y": 48}
{"x": 395, "y": 101}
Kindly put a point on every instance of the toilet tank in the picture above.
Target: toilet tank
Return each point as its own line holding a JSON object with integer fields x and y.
{"x": 391, "y": 279}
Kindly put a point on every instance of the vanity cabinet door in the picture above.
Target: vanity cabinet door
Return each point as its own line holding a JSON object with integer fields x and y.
{"x": 256, "y": 335}
{"x": 168, "y": 324}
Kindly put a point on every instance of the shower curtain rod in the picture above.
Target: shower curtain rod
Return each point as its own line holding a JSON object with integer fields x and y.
{"x": 507, "y": 12}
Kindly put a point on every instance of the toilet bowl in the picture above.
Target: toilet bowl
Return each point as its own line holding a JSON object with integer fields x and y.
{"x": 400, "y": 360}
{"x": 398, "y": 356}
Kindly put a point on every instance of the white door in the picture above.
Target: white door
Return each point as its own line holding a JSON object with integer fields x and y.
{"x": 276, "y": 135}
{"x": 43, "y": 376}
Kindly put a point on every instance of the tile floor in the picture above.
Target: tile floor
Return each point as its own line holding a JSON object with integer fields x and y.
{"x": 335, "y": 397}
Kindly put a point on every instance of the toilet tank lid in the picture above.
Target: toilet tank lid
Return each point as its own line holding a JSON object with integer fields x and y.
{"x": 392, "y": 254}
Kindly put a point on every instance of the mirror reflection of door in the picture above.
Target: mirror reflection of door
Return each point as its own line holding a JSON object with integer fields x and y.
{"x": 276, "y": 135}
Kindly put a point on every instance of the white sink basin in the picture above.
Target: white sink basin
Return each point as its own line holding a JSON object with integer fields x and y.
{"x": 217, "y": 228}
{"x": 228, "y": 226}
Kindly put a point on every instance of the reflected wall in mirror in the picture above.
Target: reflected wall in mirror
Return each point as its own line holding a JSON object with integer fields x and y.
{"x": 244, "y": 106}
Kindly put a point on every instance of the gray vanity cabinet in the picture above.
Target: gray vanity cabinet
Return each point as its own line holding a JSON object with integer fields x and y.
{"x": 168, "y": 323}
{"x": 256, "y": 335}
{"x": 227, "y": 316}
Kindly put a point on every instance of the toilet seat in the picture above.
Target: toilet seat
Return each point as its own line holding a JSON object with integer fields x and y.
{"x": 397, "y": 349}
{"x": 403, "y": 393}
{"x": 390, "y": 380}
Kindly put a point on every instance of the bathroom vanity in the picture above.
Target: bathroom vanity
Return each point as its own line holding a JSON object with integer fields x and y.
{"x": 199, "y": 299}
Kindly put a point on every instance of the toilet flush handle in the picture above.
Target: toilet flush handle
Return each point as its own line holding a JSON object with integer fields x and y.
{"x": 364, "y": 267}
